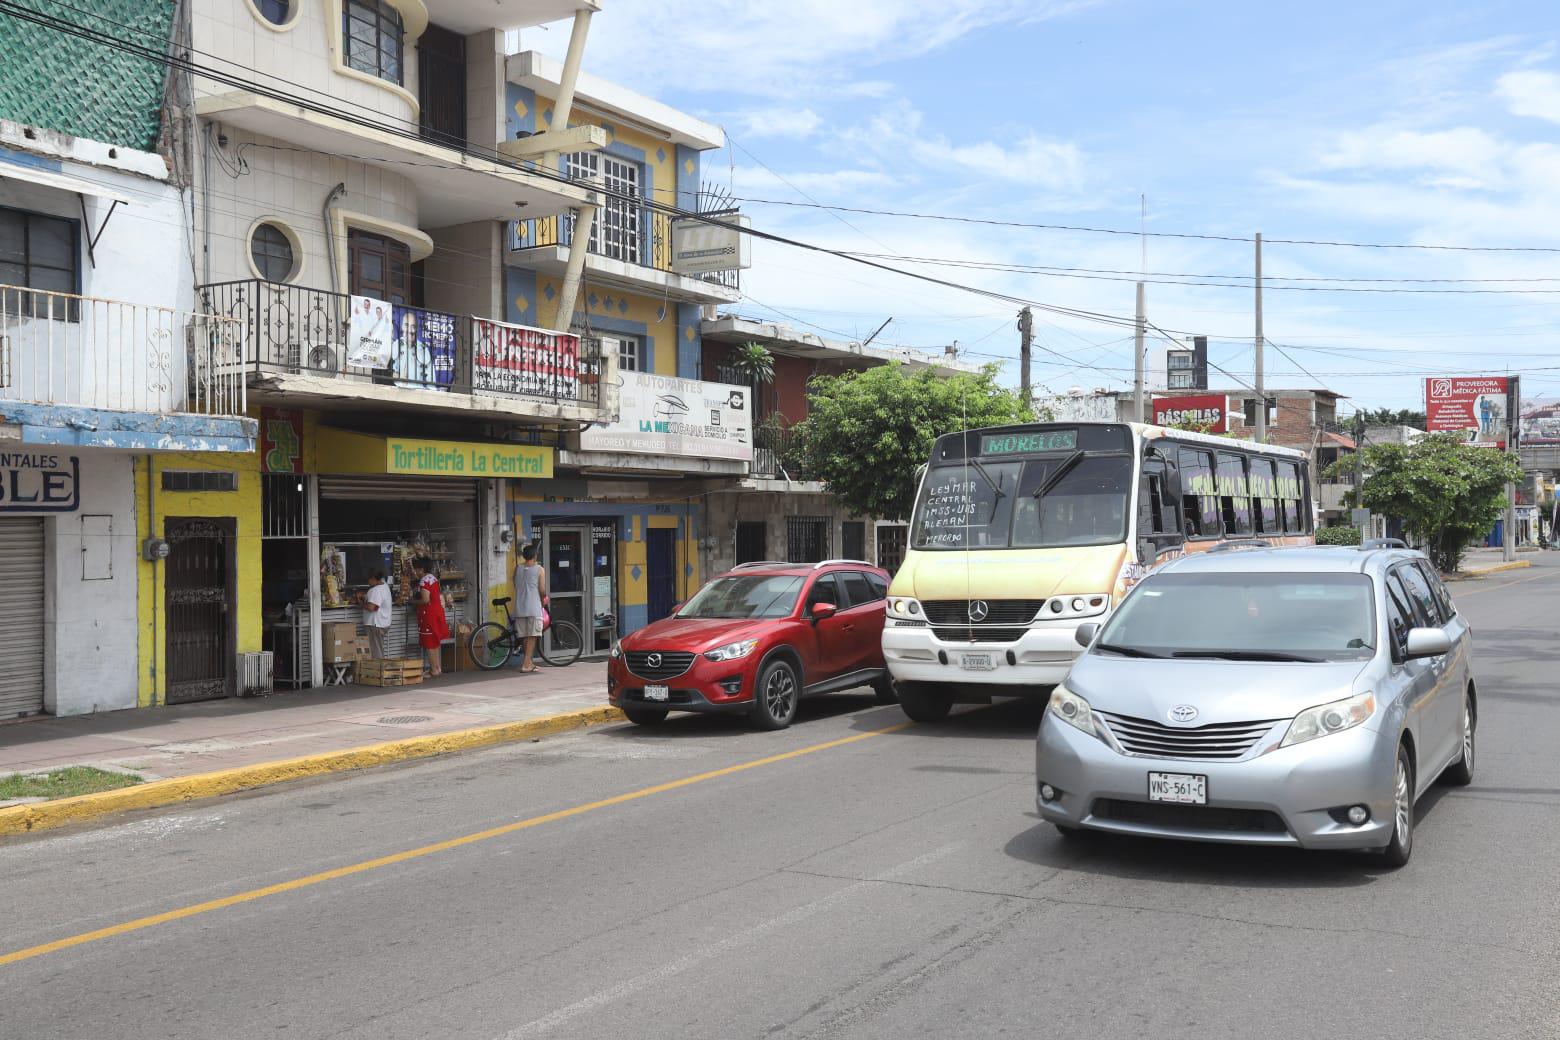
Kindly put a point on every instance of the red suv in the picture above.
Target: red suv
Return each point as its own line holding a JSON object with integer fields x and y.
{"x": 757, "y": 639}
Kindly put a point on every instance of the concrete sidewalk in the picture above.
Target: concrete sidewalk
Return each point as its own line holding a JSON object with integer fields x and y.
{"x": 188, "y": 739}
{"x": 1476, "y": 563}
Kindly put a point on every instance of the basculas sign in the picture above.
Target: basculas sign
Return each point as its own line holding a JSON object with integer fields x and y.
{"x": 39, "y": 482}
{"x": 1210, "y": 411}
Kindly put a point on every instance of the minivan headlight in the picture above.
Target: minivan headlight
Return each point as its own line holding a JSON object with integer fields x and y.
{"x": 1334, "y": 717}
{"x": 731, "y": 651}
{"x": 1071, "y": 709}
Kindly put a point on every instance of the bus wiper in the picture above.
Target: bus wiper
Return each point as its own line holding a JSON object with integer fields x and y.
{"x": 1247, "y": 655}
{"x": 987, "y": 478}
{"x": 1127, "y": 651}
{"x": 1058, "y": 473}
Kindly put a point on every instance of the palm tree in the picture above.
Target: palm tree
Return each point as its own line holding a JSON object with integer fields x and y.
{"x": 752, "y": 363}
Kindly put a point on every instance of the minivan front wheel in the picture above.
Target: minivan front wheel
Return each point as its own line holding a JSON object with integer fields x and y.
{"x": 1402, "y": 844}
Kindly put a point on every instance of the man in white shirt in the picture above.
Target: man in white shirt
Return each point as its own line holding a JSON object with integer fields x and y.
{"x": 377, "y": 609}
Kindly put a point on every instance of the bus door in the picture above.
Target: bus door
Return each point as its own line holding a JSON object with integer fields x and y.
{"x": 1159, "y": 508}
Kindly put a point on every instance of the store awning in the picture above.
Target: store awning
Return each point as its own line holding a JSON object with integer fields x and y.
{"x": 348, "y": 452}
{"x": 63, "y": 181}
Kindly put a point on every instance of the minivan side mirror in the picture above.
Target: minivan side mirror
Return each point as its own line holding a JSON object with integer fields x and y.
{"x": 820, "y": 611}
{"x": 1086, "y": 633}
{"x": 1426, "y": 642}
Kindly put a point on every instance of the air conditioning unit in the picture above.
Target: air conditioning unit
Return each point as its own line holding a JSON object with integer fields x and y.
{"x": 256, "y": 677}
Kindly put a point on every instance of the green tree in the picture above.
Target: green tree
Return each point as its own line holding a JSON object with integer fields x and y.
{"x": 752, "y": 363}
{"x": 1389, "y": 417}
{"x": 1446, "y": 492}
{"x": 867, "y": 432}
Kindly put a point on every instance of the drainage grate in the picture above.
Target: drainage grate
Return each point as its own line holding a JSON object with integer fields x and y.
{"x": 405, "y": 720}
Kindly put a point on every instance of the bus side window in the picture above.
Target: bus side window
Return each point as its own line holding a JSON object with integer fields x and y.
{"x": 1199, "y": 495}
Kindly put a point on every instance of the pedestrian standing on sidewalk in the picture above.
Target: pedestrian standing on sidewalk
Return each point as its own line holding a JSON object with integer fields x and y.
{"x": 377, "y": 610}
{"x": 530, "y": 600}
{"x": 432, "y": 626}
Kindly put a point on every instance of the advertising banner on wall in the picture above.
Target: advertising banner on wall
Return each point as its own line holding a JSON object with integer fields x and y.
{"x": 529, "y": 362}
{"x": 39, "y": 482}
{"x": 1205, "y": 411}
{"x": 664, "y": 415}
{"x": 423, "y": 350}
{"x": 369, "y": 333}
{"x": 281, "y": 440}
{"x": 1474, "y": 407}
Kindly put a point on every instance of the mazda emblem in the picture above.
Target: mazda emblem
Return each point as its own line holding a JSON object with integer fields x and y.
{"x": 654, "y": 661}
{"x": 1183, "y": 713}
{"x": 978, "y": 611}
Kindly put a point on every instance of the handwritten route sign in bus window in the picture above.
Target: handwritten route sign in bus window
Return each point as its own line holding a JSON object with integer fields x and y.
{"x": 1028, "y": 443}
{"x": 959, "y": 509}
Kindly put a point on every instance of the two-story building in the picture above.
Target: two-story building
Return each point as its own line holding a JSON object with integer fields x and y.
{"x": 780, "y": 511}
{"x": 107, "y": 371}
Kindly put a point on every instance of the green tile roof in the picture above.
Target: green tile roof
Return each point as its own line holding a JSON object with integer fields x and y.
{"x": 52, "y": 79}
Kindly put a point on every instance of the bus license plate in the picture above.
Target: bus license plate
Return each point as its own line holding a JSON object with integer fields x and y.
{"x": 976, "y": 663}
{"x": 658, "y": 693}
{"x": 1182, "y": 788}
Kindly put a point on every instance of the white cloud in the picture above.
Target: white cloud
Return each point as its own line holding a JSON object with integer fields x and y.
{"x": 1465, "y": 150}
{"x": 1531, "y": 93}
{"x": 805, "y": 46}
{"x": 780, "y": 122}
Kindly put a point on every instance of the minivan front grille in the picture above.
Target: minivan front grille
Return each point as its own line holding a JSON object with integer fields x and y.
{"x": 998, "y": 611}
{"x": 1221, "y": 742}
{"x": 656, "y": 665}
{"x": 1189, "y": 817}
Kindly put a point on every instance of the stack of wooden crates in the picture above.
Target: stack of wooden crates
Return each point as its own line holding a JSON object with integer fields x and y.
{"x": 393, "y": 672}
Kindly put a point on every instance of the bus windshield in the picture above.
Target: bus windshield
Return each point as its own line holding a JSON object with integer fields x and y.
{"x": 1061, "y": 500}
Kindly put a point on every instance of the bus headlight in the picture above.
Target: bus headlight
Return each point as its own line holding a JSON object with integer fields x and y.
{"x": 904, "y": 606}
{"x": 1082, "y": 605}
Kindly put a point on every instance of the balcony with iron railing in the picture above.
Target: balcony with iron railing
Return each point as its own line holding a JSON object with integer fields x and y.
{"x": 637, "y": 237}
{"x": 308, "y": 342}
{"x": 776, "y": 452}
{"x": 66, "y": 350}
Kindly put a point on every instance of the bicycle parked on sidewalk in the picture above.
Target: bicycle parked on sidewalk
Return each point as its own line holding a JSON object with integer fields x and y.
{"x": 492, "y": 644}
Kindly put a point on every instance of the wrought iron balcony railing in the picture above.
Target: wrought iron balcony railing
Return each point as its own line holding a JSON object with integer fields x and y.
{"x": 291, "y": 329}
{"x": 634, "y": 234}
{"x": 63, "y": 349}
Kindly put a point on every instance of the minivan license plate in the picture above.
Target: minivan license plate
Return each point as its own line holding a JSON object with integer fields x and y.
{"x": 657, "y": 693}
{"x": 1183, "y": 788}
{"x": 976, "y": 663}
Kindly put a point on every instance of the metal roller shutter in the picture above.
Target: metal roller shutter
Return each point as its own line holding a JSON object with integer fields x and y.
{"x": 21, "y": 617}
{"x": 399, "y": 489}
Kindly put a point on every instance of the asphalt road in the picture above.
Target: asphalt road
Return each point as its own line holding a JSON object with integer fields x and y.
{"x": 893, "y": 885}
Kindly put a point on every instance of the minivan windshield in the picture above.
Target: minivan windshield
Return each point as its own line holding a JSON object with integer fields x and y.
{"x": 745, "y": 596}
{"x": 1252, "y": 617}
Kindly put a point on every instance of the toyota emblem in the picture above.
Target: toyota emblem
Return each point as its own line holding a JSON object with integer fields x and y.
{"x": 978, "y": 611}
{"x": 654, "y": 661}
{"x": 1183, "y": 713}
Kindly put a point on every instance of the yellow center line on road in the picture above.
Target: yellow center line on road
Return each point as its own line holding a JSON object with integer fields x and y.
{"x": 1504, "y": 585}
{"x": 425, "y": 850}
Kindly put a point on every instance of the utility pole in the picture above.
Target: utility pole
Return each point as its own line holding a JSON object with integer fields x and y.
{"x": 1508, "y": 541}
{"x": 1261, "y": 390}
{"x": 1137, "y": 358}
{"x": 1026, "y": 334}
{"x": 1359, "y": 469}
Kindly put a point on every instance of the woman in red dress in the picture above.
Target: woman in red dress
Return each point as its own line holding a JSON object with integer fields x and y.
{"x": 432, "y": 626}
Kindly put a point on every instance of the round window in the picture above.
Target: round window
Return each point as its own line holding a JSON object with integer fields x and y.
{"x": 272, "y": 252}
{"x": 277, "y": 12}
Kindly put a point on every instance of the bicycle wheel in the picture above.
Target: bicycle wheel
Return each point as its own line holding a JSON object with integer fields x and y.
{"x": 561, "y": 644}
{"x": 491, "y": 646}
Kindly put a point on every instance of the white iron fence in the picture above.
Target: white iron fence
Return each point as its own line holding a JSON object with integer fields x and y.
{"x": 62, "y": 349}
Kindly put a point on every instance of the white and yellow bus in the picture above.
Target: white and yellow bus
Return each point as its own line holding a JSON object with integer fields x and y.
{"x": 1022, "y": 533}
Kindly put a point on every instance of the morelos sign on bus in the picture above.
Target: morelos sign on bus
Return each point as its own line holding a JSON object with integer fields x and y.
{"x": 1203, "y": 410}
{"x": 463, "y": 459}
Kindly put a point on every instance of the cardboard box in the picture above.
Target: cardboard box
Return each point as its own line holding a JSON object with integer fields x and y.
{"x": 391, "y": 672}
{"x": 340, "y": 641}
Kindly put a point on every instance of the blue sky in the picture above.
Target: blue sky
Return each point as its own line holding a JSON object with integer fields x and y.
{"x": 1392, "y": 122}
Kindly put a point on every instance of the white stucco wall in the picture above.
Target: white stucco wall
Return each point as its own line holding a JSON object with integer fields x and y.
{"x": 90, "y": 644}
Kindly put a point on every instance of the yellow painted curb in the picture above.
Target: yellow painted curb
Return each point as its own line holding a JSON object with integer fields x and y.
{"x": 1495, "y": 568}
{"x": 20, "y": 819}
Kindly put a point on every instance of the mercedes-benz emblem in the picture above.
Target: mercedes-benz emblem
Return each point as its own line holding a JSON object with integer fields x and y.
{"x": 1183, "y": 713}
{"x": 978, "y": 611}
{"x": 654, "y": 661}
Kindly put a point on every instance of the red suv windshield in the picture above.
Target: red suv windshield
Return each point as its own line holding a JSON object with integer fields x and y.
{"x": 747, "y": 596}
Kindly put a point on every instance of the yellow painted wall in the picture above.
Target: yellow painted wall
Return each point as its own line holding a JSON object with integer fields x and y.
{"x": 243, "y": 506}
{"x": 660, "y": 157}
{"x": 658, "y": 316}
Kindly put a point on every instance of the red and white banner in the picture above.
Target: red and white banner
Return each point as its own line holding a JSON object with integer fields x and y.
{"x": 517, "y": 359}
{"x": 1210, "y": 411}
{"x": 1476, "y": 407}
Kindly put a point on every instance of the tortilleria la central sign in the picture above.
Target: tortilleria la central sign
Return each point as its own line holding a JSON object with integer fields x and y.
{"x": 464, "y": 459}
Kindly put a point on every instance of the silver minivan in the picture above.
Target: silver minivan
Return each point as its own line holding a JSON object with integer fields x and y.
{"x": 1296, "y": 696}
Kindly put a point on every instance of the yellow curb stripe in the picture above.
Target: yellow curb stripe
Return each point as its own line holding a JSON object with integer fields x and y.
{"x": 1496, "y": 568}
{"x": 18, "y": 819}
{"x": 425, "y": 850}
